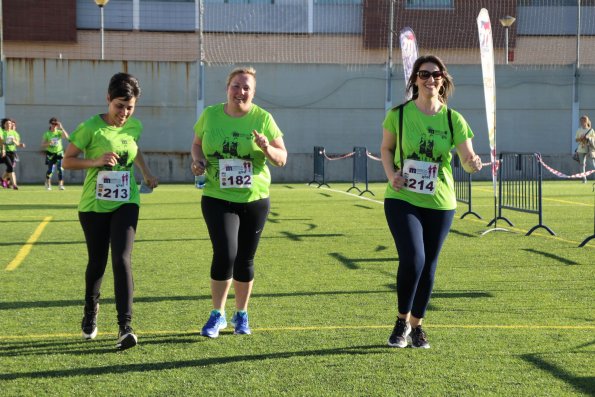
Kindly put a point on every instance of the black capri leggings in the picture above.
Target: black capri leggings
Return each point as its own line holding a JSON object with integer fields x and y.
{"x": 10, "y": 161}
{"x": 235, "y": 230}
{"x": 117, "y": 229}
{"x": 50, "y": 160}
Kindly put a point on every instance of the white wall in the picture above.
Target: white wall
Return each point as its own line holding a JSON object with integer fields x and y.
{"x": 315, "y": 105}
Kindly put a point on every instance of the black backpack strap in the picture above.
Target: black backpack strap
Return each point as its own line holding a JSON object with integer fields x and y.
{"x": 401, "y": 134}
{"x": 449, "y": 115}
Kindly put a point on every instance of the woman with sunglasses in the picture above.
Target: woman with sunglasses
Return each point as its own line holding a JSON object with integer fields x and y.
{"x": 420, "y": 200}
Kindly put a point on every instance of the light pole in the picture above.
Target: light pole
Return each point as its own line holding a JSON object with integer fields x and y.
{"x": 507, "y": 22}
{"x": 101, "y": 4}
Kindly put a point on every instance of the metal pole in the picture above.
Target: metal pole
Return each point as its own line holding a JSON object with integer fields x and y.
{"x": 506, "y": 45}
{"x": 2, "y": 63}
{"x": 389, "y": 61}
{"x": 200, "y": 100}
{"x": 578, "y": 34}
{"x": 102, "y": 38}
{"x": 575, "y": 87}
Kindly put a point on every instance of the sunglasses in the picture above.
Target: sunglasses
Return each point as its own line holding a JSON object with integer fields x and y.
{"x": 425, "y": 74}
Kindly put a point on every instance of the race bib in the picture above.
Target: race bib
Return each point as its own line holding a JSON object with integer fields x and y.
{"x": 235, "y": 173}
{"x": 9, "y": 140}
{"x": 113, "y": 186}
{"x": 422, "y": 176}
{"x": 54, "y": 142}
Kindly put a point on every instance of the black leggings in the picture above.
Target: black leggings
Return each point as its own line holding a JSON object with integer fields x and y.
{"x": 235, "y": 230}
{"x": 10, "y": 161}
{"x": 117, "y": 229}
{"x": 419, "y": 234}
{"x": 51, "y": 159}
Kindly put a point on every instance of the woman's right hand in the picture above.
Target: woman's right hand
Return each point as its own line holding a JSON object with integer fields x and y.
{"x": 198, "y": 167}
{"x": 398, "y": 181}
{"x": 107, "y": 159}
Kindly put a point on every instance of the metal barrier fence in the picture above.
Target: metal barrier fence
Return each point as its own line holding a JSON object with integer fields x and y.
{"x": 519, "y": 187}
{"x": 462, "y": 186}
{"x": 591, "y": 237}
{"x": 319, "y": 175}
{"x": 360, "y": 169}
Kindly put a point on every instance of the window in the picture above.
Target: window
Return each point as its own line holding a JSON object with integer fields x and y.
{"x": 249, "y": 1}
{"x": 429, "y": 4}
{"x": 338, "y": 2}
{"x": 547, "y": 3}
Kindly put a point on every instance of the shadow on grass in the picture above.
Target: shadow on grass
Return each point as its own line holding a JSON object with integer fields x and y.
{"x": 37, "y": 221}
{"x": 185, "y": 218}
{"x": 352, "y": 264}
{"x": 76, "y": 242}
{"x": 454, "y": 231}
{"x": 45, "y": 206}
{"x": 363, "y": 206}
{"x": 104, "y": 344}
{"x": 16, "y": 305}
{"x": 452, "y": 294}
{"x": 552, "y": 256}
{"x": 299, "y": 237}
{"x": 205, "y": 362}
{"x": 584, "y": 385}
{"x": 279, "y": 220}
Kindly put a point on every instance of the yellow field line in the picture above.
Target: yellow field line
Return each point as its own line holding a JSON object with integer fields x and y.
{"x": 544, "y": 198}
{"x": 474, "y": 220}
{"x": 506, "y": 226}
{"x": 25, "y": 249}
{"x": 314, "y": 328}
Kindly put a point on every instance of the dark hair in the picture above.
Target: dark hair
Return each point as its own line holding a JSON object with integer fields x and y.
{"x": 3, "y": 122}
{"x": 123, "y": 85}
{"x": 53, "y": 121}
{"x": 447, "y": 87}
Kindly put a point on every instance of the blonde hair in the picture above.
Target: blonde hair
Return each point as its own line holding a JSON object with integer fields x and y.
{"x": 587, "y": 121}
{"x": 241, "y": 70}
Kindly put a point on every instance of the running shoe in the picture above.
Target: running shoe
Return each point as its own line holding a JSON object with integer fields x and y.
{"x": 215, "y": 323}
{"x": 240, "y": 321}
{"x": 418, "y": 338}
{"x": 126, "y": 338}
{"x": 400, "y": 332}
{"x": 89, "y": 323}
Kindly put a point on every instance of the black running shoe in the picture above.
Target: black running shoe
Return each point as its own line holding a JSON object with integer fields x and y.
{"x": 126, "y": 338}
{"x": 400, "y": 332}
{"x": 419, "y": 339}
{"x": 89, "y": 323}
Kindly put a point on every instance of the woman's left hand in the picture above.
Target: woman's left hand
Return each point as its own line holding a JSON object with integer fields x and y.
{"x": 474, "y": 163}
{"x": 151, "y": 181}
{"x": 261, "y": 140}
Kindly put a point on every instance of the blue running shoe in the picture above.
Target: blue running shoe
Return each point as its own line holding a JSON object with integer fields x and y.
{"x": 215, "y": 323}
{"x": 240, "y": 322}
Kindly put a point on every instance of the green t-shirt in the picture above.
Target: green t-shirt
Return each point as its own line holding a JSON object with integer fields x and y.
{"x": 94, "y": 137}
{"x": 10, "y": 138}
{"x": 54, "y": 138}
{"x": 225, "y": 137}
{"x": 428, "y": 138}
